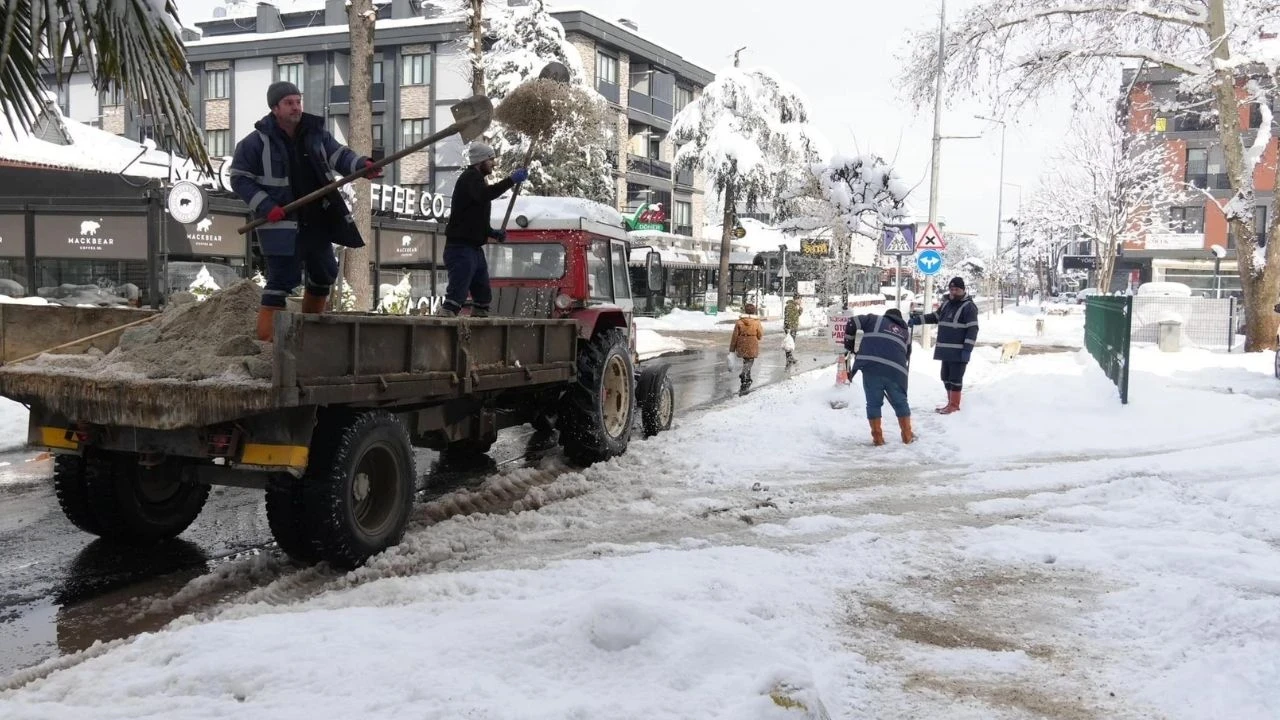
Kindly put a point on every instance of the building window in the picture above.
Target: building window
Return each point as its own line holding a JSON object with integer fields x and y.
{"x": 217, "y": 84}
{"x": 1198, "y": 168}
{"x": 1260, "y": 225}
{"x": 412, "y": 131}
{"x": 414, "y": 69}
{"x": 290, "y": 72}
{"x": 218, "y": 142}
{"x": 1186, "y": 220}
{"x": 682, "y": 217}
{"x": 606, "y": 68}
{"x": 376, "y": 131}
{"x": 377, "y": 73}
{"x": 683, "y": 97}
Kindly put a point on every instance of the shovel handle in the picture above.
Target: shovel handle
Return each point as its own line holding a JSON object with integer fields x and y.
{"x": 314, "y": 194}
{"x": 528, "y": 158}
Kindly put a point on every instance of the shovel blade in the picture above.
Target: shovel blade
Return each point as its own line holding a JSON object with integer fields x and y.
{"x": 472, "y": 116}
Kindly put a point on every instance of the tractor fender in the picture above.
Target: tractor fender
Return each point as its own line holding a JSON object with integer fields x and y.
{"x": 592, "y": 321}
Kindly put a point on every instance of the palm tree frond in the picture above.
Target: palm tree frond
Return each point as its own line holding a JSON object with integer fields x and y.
{"x": 133, "y": 46}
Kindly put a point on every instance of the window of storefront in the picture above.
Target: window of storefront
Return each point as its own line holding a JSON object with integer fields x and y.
{"x": 14, "y": 277}
{"x": 420, "y": 287}
{"x": 110, "y": 275}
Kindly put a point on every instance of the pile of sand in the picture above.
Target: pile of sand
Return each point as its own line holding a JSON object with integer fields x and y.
{"x": 210, "y": 340}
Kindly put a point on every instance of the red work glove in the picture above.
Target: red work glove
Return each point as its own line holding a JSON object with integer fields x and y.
{"x": 276, "y": 214}
{"x": 372, "y": 173}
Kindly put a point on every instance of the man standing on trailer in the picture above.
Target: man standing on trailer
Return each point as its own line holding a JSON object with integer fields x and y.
{"x": 288, "y": 155}
{"x": 468, "y": 231}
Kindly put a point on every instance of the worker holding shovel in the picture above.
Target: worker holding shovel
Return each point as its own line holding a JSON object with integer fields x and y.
{"x": 468, "y": 231}
{"x": 884, "y": 357}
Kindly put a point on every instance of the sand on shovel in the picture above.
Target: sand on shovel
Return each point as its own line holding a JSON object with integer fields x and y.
{"x": 213, "y": 340}
{"x": 538, "y": 107}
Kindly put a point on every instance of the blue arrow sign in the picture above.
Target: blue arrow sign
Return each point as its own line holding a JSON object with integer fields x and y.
{"x": 899, "y": 239}
{"x": 929, "y": 262}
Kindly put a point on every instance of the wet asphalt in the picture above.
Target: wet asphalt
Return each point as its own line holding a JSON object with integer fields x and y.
{"x": 61, "y": 589}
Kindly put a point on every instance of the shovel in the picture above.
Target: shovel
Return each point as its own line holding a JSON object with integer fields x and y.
{"x": 470, "y": 118}
{"x": 555, "y": 72}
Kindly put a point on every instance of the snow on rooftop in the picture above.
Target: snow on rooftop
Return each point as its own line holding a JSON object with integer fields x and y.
{"x": 90, "y": 149}
{"x": 555, "y": 209}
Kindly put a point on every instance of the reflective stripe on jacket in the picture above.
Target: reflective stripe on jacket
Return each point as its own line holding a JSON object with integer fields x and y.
{"x": 957, "y": 322}
{"x": 260, "y": 176}
{"x": 886, "y": 344}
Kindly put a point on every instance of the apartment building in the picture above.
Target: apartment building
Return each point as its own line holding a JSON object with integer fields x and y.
{"x": 419, "y": 71}
{"x": 1154, "y": 105}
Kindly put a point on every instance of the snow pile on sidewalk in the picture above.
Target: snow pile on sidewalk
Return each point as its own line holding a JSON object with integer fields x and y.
{"x": 13, "y": 424}
{"x": 651, "y": 344}
{"x": 1018, "y": 322}
{"x": 1046, "y": 551}
{"x": 690, "y": 321}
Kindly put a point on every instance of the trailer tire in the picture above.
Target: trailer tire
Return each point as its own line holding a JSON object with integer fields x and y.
{"x": 358, "y": 487}
{"x": 597, "y": 411}
{"x": 137, "y": 504}
{"x": 657, "y": 401}
{"x": 285, "y": 517}
{"x": 72, "y": 489}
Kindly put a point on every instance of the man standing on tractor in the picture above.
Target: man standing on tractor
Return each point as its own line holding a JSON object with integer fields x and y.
{"x": 468, "y": 231}
{"x": 957, "y": 322}
{"x": 288, "y": 155}
{"x": 791, "y": 322}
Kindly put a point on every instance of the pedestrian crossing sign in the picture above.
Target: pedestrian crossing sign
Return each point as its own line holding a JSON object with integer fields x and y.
{"x": 931, "y": 239}
{"x": 899, "y": 240}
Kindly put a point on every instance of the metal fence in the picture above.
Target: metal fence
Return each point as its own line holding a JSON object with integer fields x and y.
{"x": 1206, "y": 322}
{"x": 1107, "y": 333}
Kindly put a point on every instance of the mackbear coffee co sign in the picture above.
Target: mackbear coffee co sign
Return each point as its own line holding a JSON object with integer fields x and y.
{"x": 13, "y": 236}
{"x": 397, "y": 247}
{"x": 212, "y": 235}
{"x": 92, "y": 237}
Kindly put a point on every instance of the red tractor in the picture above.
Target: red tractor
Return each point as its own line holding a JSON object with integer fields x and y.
{"x": 565, "y": 265}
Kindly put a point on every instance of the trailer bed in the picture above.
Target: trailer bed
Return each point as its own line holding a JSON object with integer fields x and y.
{"x": 356, "y": 359}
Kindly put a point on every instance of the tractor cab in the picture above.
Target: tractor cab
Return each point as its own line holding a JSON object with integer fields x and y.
{"x": 564, "y": 258}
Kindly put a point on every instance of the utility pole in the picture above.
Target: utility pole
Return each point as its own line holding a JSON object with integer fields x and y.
{"x": 926, "y": 337}
{"x": 999, "y": 199}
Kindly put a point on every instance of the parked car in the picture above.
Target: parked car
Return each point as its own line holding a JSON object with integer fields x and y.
{"x": 1085, "y": 294}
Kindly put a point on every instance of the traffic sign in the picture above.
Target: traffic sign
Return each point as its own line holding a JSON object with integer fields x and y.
{"x": 783, "y": 272}
{"x": 929, "y": 262}
{"x": 931, "y": 239}
{"x": 739, "y": 232}
{"x": 899, "y": 239}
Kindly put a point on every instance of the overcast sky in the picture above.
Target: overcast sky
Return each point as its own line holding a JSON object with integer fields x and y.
{"x": 844, "y": 55}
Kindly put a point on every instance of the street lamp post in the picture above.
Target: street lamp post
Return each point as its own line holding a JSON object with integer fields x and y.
{"x": 1000, "y": 197}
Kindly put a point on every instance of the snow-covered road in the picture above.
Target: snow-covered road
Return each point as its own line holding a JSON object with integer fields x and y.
{"x": 1046, "y": 553}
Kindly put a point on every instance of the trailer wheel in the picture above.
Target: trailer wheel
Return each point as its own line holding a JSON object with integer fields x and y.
{"x": 135, "y": 503}
{"x": 286, "y": 518}
{"x": 657, "y": 401}
{"x": 596, "y": 414}
{"x": 72, "y": 489}
{"x": 358, "y": 487}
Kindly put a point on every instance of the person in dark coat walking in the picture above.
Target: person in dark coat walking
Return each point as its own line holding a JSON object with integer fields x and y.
{"x": 884, "y": 357}
{"x": 957, "y": 322}
{"x": 288, "y": 155}
{"x": 468, "y": 230}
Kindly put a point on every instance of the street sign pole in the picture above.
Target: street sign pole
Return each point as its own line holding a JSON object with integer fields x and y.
{"x": 897, "y": 296}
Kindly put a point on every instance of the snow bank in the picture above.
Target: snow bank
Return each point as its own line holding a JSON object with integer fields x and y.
{"x": 650, "y": 344}
{"x": 1019, "y": 323}
{"x": 690, "y": 320}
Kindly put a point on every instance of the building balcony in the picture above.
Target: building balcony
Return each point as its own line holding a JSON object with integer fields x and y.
{"x": 653, "y": 106}
{"x": 342, "y": 93}
{"x": 648, "y": 166}
{"x": 1208, "y": 181}
{"x": 610, "y": 91}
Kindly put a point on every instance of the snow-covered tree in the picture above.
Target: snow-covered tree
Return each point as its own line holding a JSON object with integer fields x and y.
{"x": 573, "y": 162}
{"x": 865, "y": 192}
{"x": 134, "y": 46}
{"x": 1016, "y": 51}
{"x": 1103, "y": 186}
{"x": 749, "y": 133}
